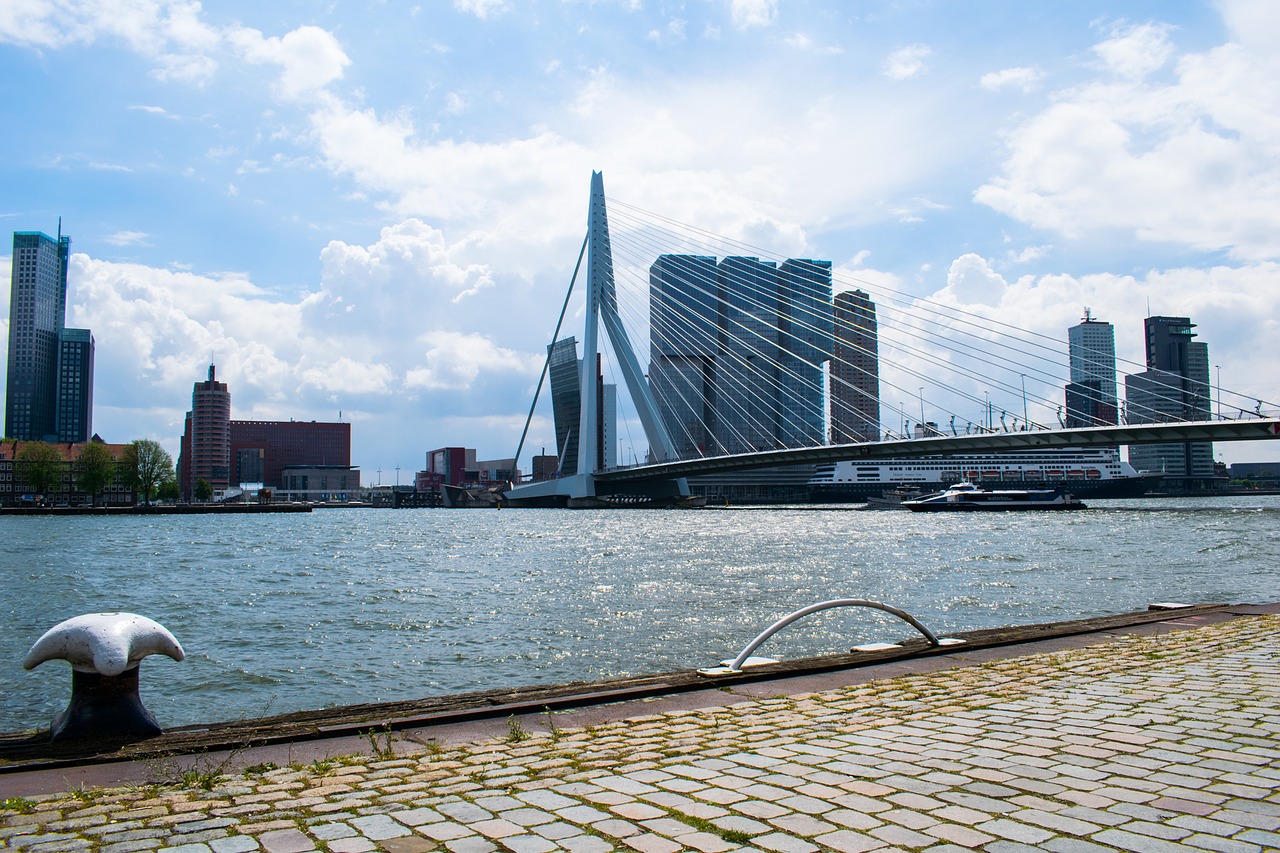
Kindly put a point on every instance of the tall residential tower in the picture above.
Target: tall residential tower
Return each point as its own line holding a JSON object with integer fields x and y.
{"x": 49, "y": 393}
{"x": 1174, "y": 387}
{"x": 206, "y": 440}
{"x": 1091, "y": 396}
{"x": 855, "y": 370}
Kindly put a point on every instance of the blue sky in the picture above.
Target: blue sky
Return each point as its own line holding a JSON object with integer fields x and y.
{"x": 373, "y": 209}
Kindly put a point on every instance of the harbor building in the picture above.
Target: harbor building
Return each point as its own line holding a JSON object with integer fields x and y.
{"x": 1091, "y": 395}
{"x": 319, "y": 483}
{"x": 49, "y": 389}
{"x": 1174, "y": 387}
{"x": 205, "y": 451}
{"x": 855, "y": 370}
{"x": 261, "y": 451}
{"x": 227, "y": 453}
{"x": 16, "y": 491}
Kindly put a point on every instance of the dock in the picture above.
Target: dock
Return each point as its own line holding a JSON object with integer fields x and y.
{"x": 1148, "y": 732}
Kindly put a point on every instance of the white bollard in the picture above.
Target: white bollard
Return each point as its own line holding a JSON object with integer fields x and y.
{"x": 104, "y": 650}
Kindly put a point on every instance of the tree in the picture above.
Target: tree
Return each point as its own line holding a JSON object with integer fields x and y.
{"x": 168, "y": 490}
{"x": 202, "y": 490}
{"x": 95, "y": 468}
{"x": 144, "y": 466}
{"x": 38, "y": 464}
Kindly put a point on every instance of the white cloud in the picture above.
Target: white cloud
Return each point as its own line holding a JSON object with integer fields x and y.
{"x": 128, "y": 238}
{"x": 1136, "y": 52}
{"x": 802, "y": 41}
{"x": 309, "y": 58}
{"x": 1193, "y": 162}
{"x": 454, "y": 104}
{"x": 906, "y": 62}
{"x": 344, "y": 376}
{"x": 753, "y": 13}
{"x": 481, "y": 8}
{"x": 453, "y": 360}
{"x": 1023, "y": 78}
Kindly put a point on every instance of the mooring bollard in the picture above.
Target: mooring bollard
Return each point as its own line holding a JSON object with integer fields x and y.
{"x": 104, "y": 650}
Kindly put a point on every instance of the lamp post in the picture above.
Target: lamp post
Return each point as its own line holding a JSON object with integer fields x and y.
{"x": 1024, "y": 399}
{"x": 922, "y": 407}
{"x": 1218, "y": 368}
{"x": 986, "y": 423}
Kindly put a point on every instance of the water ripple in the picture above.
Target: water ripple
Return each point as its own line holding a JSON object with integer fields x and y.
{"x": 281, "y": 613}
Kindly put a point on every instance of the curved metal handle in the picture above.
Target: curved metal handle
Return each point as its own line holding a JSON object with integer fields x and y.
{"x": 736, "y": 666}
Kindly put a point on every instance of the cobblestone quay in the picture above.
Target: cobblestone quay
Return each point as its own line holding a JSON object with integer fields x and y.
{"x": 1147, "y": 742}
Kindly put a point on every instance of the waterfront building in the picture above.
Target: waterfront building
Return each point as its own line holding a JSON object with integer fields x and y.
{"x": 737, "y": 351}
{"x": 227, "y": 453}
{"x": 15, "y": 491}
{"x": 747, "y": 363}
{"x": 447, "y": 466}
{"x": 205, "y": 451}
{"x": 683, "y": 340}
{"x": 855, "y": 370}
{"x": 318, "y": 483}
{"x": 1174, "y": 387}
{"x": 566, "y": 401}
{"x": 805, "y": 343}
{"x": 495, "y": 472}
{"x": 1091, "y": 395}
{"x": 37, "y": 318}
{"x": 565, "y": 370}
{"x": 262, "y": 450}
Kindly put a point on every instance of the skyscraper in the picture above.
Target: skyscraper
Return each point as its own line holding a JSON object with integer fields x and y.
{"x": 206, "y": 439}
{"x": 37, "y": 313}
{"x": 805, "y": 329}
{"x": 737, "y": 351}
{"x": 855, "y": 370}
{"x": 1091, "y": 396}
{"x": 683, "y": 340}
{"x": 75, "y": 386}
{"x": 1174, "y": 387}
{"x": 748, "y": 359}
{"x": 566, "y": 401}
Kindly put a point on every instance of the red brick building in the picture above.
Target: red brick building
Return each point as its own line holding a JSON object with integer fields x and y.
{"x": 260, "y": 450}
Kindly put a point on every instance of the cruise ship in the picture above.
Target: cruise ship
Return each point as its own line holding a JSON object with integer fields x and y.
{"x": 1094, "y": 472}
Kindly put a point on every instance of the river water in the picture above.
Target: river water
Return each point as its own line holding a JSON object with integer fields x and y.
{"x": 296, "y": 611}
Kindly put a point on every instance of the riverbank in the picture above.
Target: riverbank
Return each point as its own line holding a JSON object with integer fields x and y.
{"x": 159, "y": 509}
{"x": 1158, "y": 734}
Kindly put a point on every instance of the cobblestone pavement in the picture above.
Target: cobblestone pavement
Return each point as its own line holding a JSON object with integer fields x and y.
{"x": 1147, "y": 744}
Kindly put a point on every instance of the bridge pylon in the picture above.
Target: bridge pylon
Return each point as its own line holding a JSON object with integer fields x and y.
{"x": 602, "y": 308}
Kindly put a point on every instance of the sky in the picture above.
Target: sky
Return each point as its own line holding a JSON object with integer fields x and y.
{"x": 370, "y": 211}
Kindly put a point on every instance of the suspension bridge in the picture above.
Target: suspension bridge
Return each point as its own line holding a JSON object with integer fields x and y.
{"x": 748, "y": 369}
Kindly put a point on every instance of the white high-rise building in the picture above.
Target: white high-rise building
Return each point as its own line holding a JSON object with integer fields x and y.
{"x": 1091, "y": 396}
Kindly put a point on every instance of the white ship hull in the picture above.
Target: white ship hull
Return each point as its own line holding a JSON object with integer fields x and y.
{"x": 1086, "y": 472}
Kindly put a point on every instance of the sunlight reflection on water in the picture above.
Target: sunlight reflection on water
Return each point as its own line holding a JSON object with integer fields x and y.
{"x": 287, "y": 612}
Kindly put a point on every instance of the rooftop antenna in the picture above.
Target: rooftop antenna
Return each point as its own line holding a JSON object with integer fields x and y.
{"x": 1088, "y": 316}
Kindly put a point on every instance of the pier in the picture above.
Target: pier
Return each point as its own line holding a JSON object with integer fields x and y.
{"x": 1152, "y": 731}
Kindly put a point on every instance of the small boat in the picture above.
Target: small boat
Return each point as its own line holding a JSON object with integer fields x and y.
{"x": 894, "y": 498}
{"x": 966, "y": 497}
